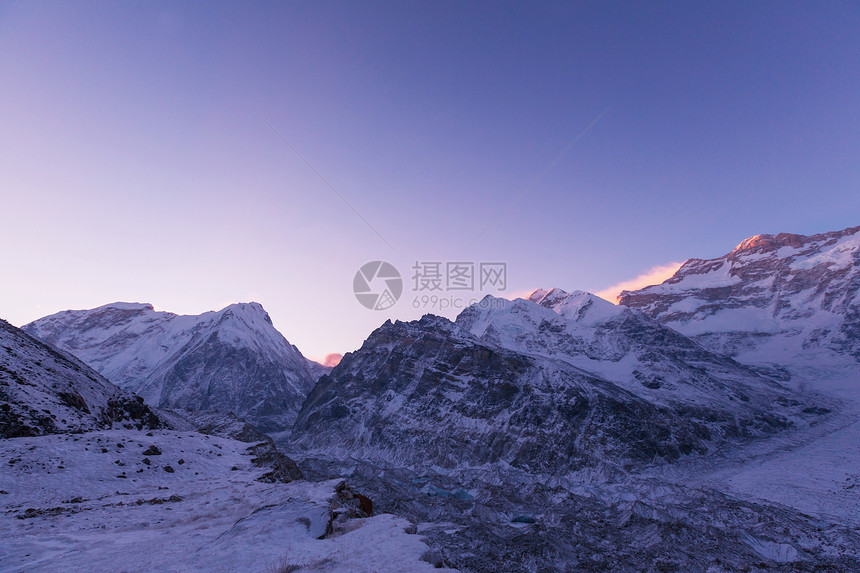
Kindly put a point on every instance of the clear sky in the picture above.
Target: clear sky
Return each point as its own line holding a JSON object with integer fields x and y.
{"x": 136, "y": 162}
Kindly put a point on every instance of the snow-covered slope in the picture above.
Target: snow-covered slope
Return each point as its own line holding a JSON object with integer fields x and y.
{"x": 44, "y": 391}
{"x": 180, "y": 501}
{"x": 625, "y": 347}
{"x": 232, "y": 360}
{"x": 430, "y": 392}
{"x": 786, "y": 300}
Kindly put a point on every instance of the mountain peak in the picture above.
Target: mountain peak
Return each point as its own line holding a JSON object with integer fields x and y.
{"x": 765, "y": 243}
{"x": 549, "y": 297}
{"x": 249, "y": 309}
{"x": 762, "y": 242}
{"x": 576, "y": 305}
{"x": 246, "y": 306}
{"x": 139, "y": 306}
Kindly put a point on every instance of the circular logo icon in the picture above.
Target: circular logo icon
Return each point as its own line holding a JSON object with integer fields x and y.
{"x": 377, "y": 285}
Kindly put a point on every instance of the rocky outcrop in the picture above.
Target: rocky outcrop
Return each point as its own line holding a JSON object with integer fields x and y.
{"x": 283, "y": 468}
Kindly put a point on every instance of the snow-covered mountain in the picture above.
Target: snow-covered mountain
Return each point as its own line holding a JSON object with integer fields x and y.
{"x": 788, "y": 300}
{"x": 232, "y": 360}
{"x": 625, "y": 347}
{"x": 45, "y": 391}
{"x": 432, "y": 392}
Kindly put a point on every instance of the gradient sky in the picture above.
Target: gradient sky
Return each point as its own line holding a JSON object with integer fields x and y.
{"x": 136, "y": 163}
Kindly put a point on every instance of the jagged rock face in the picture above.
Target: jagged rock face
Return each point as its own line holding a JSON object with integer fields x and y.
{"x": 773, "y": 299}
{"x": 625, "y": 347}
{"x": 431, "y": 393}
{"x": 233, "y": 360}
{"x": 44, "y": 391}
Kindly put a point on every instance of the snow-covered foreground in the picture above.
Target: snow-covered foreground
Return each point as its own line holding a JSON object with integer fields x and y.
{"x": 821, "y": 478}
{"x": 814, "y": 468}
{"x": 106, "y": 501}
{"x": 816, "y": 471}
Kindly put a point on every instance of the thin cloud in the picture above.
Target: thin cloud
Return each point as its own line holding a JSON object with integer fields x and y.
{"x": 653, "y": 276}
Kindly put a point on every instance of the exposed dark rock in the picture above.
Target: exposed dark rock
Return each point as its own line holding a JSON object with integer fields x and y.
{"x": 364, "y": 504}
{"x": 283, "y": 468}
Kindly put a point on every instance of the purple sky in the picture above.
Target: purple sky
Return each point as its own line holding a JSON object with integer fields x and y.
{"x": 135, "y": 166}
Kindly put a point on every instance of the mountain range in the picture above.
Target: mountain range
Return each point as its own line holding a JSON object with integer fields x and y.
{"x": 709, "y": 423}
{"x": 553, "y": 384}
